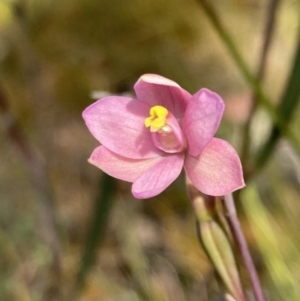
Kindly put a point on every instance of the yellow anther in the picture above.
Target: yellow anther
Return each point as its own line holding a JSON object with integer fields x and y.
{"x": 157, "y": 118}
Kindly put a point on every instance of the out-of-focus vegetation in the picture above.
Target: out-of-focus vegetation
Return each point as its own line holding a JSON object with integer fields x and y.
{"x": 67, "y": 232}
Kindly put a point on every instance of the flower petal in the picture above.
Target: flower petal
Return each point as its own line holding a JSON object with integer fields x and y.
{"x": 157, "y": 90}
{"x": 118, "y": 124}
{"x": 158, "y": 177}
{"x": 119, "y": 167}
{"x": 217, "y": 171}
{"x": 201, "y": 120}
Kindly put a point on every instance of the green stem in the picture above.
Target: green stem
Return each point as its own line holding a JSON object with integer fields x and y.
{"x": 249, "y": 77}
{"x": 268, "y": 34}
{"x": 287, "y": 106}
{"x": 102, "y": 208}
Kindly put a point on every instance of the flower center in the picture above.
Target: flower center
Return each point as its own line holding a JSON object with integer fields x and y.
{"x": 157, "y": 118}
{"x": 165, "y": 130}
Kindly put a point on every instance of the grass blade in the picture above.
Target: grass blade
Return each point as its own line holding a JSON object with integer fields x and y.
{"x": 263, "y": 99}
{"x": 103, "y": 204}
{"x": 287, "y": 106}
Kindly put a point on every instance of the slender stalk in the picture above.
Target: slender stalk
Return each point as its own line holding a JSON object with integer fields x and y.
{"x": 102, "y": 207}
{"x": 268, "y": 34}
{"x": 242, "y": 244}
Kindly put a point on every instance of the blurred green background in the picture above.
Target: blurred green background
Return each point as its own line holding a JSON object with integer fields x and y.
{"x": 68, "y": 232}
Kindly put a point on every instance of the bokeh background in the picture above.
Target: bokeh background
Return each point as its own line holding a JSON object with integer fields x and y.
{"x": 68, "y": 232}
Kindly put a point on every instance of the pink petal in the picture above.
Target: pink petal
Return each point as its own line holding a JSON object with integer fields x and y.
{"x": 217, "y": 171}
{"x": 157, "y": 90}
{"x": 119, "y": 167}
{"x": 118, "y": 124}
{"x": 201, "y": 120}
{"x": 158, "y": 177}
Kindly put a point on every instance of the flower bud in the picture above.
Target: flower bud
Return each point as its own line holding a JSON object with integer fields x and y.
{"x": 219, "y": 250}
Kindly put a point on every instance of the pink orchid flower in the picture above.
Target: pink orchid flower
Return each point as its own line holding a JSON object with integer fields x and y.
{"x": 148, "y": 140}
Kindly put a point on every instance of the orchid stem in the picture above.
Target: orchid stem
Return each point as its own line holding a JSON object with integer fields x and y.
{"x": 242, "y": 244}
